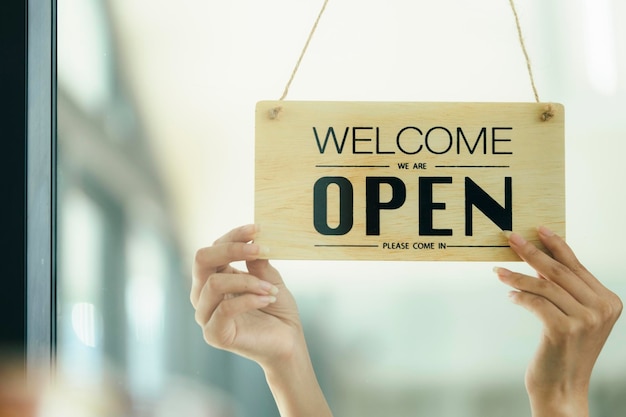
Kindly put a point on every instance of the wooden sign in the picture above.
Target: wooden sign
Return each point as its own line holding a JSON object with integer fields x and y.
{"x": 406, "y": 181}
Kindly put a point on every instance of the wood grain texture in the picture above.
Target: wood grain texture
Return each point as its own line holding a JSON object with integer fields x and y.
{"x": 485, "y": 142}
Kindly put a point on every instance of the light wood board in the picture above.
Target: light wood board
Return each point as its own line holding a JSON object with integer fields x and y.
{"x": 432, "y": 168}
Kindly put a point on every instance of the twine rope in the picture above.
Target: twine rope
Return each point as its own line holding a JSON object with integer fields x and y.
{"x": 273, "y": 113}
{"x": 306, "y": 46}
{"x": 523, "y": 45}
{"x": 548, "y": 111}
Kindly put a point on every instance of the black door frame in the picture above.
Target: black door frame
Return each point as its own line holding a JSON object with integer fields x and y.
{"x": 27, "y": 180}
{"x": 41, "y": 185}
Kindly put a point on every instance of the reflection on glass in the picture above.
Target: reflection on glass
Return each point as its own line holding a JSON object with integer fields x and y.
{"x": 84, "y": 323}
{"x": 84, "y": 67}
{"x": 81, "y": 265}
{"x": 145, "y": 307}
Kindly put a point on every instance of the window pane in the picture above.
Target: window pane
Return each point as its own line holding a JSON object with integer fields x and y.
{"x": 156, "y": 159}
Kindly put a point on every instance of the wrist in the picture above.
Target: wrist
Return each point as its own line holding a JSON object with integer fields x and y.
{"x": 290, "y": 363}
{"x": 558, "y": 410}
{"x": 294, "y": 385}
{"x": 291, "y": 371}
{"x": 559, "y": 403}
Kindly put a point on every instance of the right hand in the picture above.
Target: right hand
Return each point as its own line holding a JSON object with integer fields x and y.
{"x": 250, "y": 313}
{"x": 577, "y": 313}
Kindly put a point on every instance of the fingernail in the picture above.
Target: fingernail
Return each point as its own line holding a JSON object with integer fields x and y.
{"x": 249, "y": 228}
{"x": 269, "y": 287}
{"x": 264, "y": 251}
{"x": 501, "y": 272}
{"x": 516, "y": 239}
{"x": 268, "y": 299}
{"x": 544, "y": 231}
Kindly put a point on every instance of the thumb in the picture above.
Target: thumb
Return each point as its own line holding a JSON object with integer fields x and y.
{"x": 262, "y": 269}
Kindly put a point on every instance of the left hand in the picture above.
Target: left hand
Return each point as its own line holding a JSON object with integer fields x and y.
{"x": 250, "y": 313}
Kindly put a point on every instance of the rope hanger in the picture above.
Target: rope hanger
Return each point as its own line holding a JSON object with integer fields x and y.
{"x": 547, "y": 114}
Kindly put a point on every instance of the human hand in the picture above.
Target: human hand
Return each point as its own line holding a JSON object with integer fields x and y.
{"x": 577, "y": 313}
{"x": 254, "y": 315}
{"x": 250, "y": 313}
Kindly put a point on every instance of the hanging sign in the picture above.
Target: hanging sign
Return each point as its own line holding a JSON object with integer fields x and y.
{"x": 406, "y": 181}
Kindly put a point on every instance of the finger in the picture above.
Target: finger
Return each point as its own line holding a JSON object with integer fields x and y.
{"x": 217, "y": 258}
{"x": 218, "y": 286}
{"x": 240, "y": 234}
{"x": 544, "y": 288}
{"x": 228, "y": 248}
{"x": 551, "y": 269}
{"x": 564, "y": 254}
{"x": 549, "y": 314}
{"x": 561, "y": 250}
{"x": 232, "y": 243}
{"x": 262, "y": 268}
{"x": 220, "y": 331}
{"x": 221, "y": 254}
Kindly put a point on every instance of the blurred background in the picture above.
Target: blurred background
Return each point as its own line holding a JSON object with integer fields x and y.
{"x": 156, "y": 159}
